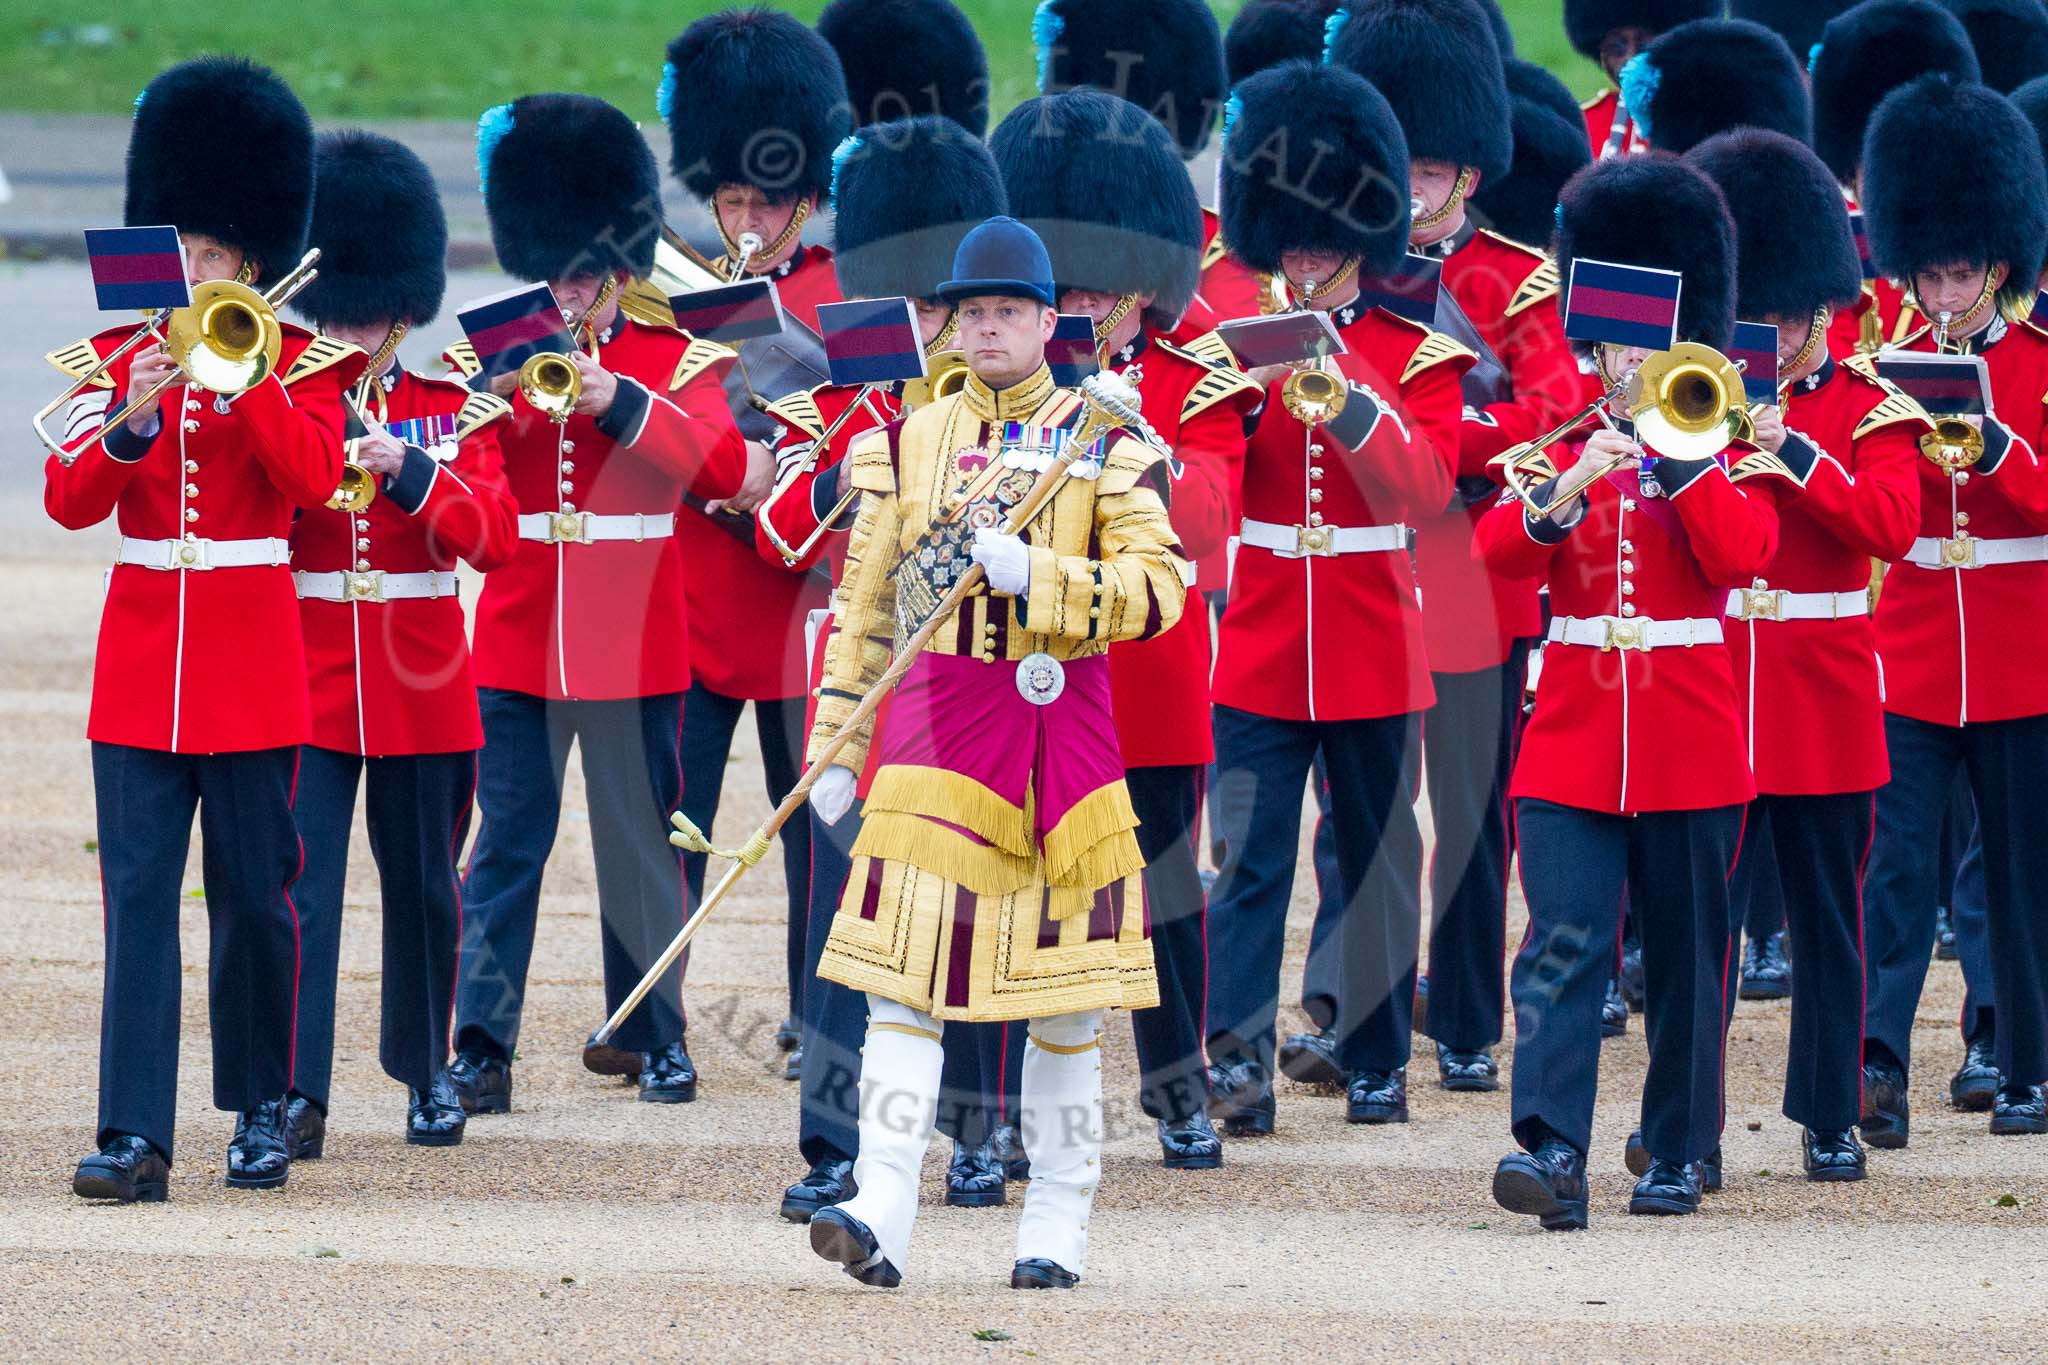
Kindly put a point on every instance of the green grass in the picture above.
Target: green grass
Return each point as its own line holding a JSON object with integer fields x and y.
{"x": 386, "y": 59}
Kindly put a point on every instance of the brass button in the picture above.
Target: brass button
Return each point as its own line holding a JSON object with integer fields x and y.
{"x": 1962, "y": 518}
{"x": 568, "y": 467}
{"x": 567, "y": 488}
{"x": 1315, "y": 495}
{"x": 1094, "y": 612}
{"x": 1628, "y": 547}
{"x": 568, "y": 507}
{"x": 362, "y": 523}
{"x": 191, "y": 405}
{"x": 1628, "y": 504}
{"x": 191, "y": 490}
{"x": 1315, "y": 471}
{"x": 988, "y": 657}
{"x": 363, "y": 543}
{"x": 568, "y": 447}
{"x": 1962, "y": 476}
{"x": 1628, "y": 590}
{"x": 1628, "y": 609}
{"x": 191, "y": 466}
{"x": 191, "y": 514}
{"x": 362, "y": 566}
{"x": 1628, "y": 566}
{"x": 1315, "y": 518}
{"x": 191, "y": 425}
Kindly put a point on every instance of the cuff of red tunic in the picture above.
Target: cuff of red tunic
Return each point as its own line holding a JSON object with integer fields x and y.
{"x": 414, "y": 481}
{"x": 1674, "y": 475}
{"x": 1799, "y": 455}
{"x": 123, "y": 444}
{"x": 627, "y": 416}
{"x": 1998, "y": 443}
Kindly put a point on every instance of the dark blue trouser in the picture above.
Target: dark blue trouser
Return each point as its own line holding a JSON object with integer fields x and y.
{"x": 2004, "y": 761}
{"x": 1576, "y": 865}
{"x": 709, "y": 720}
{"x": 974, "y": 1096}
{"x": 145, "y": 799}
{"x": 418, "y": 815}
{"x": 1761, "y": 911}
{"x": 1821, "y": 843}
{"x": 631, "y": 776}
{"x": 1372, "y": 776}
{"x": 1973, "y": 952}
{"x": 1468, "y": 745}
{"x": 1173, "y": 1081}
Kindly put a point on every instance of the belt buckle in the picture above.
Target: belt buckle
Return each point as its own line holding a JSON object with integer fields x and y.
{"x": 1312, "y": 540}
{"x": 1625, "y": 635}
{"x": 569, "y": 528}
{"x": 364, "y": 586}
{"x": 1959, "y": 552}
{"x": 189, "y": 554}
{"x": 1763, "y": 604}
{"x": 1041, "y": 678}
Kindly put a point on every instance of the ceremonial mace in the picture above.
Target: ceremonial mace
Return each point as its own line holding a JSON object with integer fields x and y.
{"x": 1112, "y": 403}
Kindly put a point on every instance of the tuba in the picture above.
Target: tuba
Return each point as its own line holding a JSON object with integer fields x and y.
{"x": 226, "y": 340}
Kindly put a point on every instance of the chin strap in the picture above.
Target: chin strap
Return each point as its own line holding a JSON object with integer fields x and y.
{"x": 1451, "y": 206}
{"x": 797, "y": 219}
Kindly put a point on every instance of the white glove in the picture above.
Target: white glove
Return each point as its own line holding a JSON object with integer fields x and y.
{"x": 832, "y": 794}
{"x": 1005, "y": 559}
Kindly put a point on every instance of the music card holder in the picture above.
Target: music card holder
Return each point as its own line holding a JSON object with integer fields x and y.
{"x": 872, "y": 341}
{"x": 1072, "y": 354}
{"x": 1282, "y": 339}
{"x": 1755, "y": 349}
{"x": 1945, "y": 385}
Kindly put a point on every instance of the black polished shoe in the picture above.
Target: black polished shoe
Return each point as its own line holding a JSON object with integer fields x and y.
{"x": 1039, "y": 1273}
{"x": 1614, "y": 1011}
{"x": 1885, "y": 1122}
{"x": 435, "y": 1118}
{"x": 1944, "y": 934}
{"x": 1832, "y": 1156}
{"x": 670, "y": 1077}
{"x": 483, "y": 1085}
{"x": 1311, "y": 1059}
{"x": 1667, "y": 1188}
{"x": 825, "y": 1184}
{"x": 1632, "y": 974}
{"x": 1242, "y": 1096}
{"x": 1548, "y": 1184}
{"x": 1466, "y": 1069}
{"x": 789, "y": 1034}
{"x": 127, "y": 1170}
{"x": 1191, "y": 1144}
{"x": 838, "y": 1236}
{"x": 1766, "y": 971}
{"x": 2018, "y": 1110}
{"x": 1006, "y": 1144}
{"x": 1377, "y": 1097}
{"x": 974, "y": 1178}
{"x": 258, "y": 1157}
{"x": 1975, "y": 1083}
{"x": 1710, "y": 1171}
{"x": 793, "y": 1066}
{"x": 305, "y": 1127}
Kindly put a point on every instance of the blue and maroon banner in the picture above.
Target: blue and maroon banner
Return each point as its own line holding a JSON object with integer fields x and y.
{"x": 137, "y": 267}
{"x": 730, "y": 313}
{"x": 511, "y": 328}
{"x": 1071, "y": 354}
{"x": 1945, "y": 385}
{"x": 1622, "y": 305}
{"x": 871, "y": 341}
{"x": 1755, "y": 349}
{"x": 1409, "y": 292}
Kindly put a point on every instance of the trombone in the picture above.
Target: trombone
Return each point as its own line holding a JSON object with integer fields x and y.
{"x": 1686, "y": 403}
{"x": 226, "y": 340}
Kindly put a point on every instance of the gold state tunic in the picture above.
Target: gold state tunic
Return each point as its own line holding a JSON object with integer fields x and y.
{"x": 996, "y": 873}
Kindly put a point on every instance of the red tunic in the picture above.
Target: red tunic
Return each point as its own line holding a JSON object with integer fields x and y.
{"x": 1600, "y": 113}
{"x": 1811, "y": 694}
{"x": 393, "y": 677}
{"x": 1339, "y": 637}
{"x": 1197, "y": 402}
{"x": 602, "y": 620}
{"x": 207, "y": 660}
{"x": 1470, "y": 617}
{"x": 1964, "y": 644}
{"x": 1632, "y": 730}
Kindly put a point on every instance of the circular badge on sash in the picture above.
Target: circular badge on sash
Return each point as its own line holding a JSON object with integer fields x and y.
{"x": 1040, "y": 679}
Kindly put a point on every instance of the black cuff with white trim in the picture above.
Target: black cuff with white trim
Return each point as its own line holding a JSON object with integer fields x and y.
{"x": 1548, "y": 530}
{"x": 628, "y": 414}
{"x": 1799, "y": 455}
{"x": 1997, "y": 444}
{"x": 124, "y": 445}
{"x": 414, "y": 480}
{"x": 826, "y": 491}
{"x": 1674, "y": 476}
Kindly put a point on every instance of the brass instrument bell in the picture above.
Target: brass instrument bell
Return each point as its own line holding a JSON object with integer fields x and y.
{"x": 1954, "y": 445}
{"x": 551, "y": 384}
{"x": 1312, "y": 395}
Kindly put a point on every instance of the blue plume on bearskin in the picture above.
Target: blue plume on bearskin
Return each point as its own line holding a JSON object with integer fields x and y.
{"x": 1712, "y": 75}
{"x": 570, "y": 187}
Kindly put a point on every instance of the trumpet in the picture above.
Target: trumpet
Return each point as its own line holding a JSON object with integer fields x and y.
{"x": 1313, "y": 395}
{"x": 749, "y": 246}
{"x": 358, "y": 489}
{"x": 550, "y": 381}
{"x": 1686, "y": 402}
{"x": 226, "y": 340}
{"x": 1954, "y": 444}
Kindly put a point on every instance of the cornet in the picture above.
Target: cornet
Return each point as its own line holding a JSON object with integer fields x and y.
{"x": 358, "y": 489}
{"x": 226, "y": 340}
{"x": 550, "y": 381}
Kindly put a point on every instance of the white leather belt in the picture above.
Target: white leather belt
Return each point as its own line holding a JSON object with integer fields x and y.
{"x": 375, "y": 585}
{"x": 1969, "y": 552}
{"x": 1633, "y": 632}
{"x": 1775, "y": 604}
{"x": 1303, "y": 542}
{"x": 201, "y": 553}
{"x": 580, "y": 528}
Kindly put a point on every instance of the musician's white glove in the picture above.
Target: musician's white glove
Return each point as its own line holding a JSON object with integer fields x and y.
{"x": 1005, "y": 559}
{"x": 832, "y": 794}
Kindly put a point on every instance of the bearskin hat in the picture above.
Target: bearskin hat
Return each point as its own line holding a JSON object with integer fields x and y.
{"x": 1103, "y": 185}
{"x": 752, "y": 97}
{"x": 1549, "y": 150}
{"x": 1794, "y": 250}
{"x": 222, "y": 146}
{"x": 1165, "y": 56}
{"x": 1798, "y": 22}
{"x": 1528, "y": 81}
{"x": 570, "y": 187}
{"x": 2031, "y": 100}
{"x": 1313, "y": 159}
{"x": 382, "y": 236}
{"x": 1952, "y": 172}
{"x": 1711, "y": 75}
{"x": 1268, "y": 32}
{"x": 1655, "y": 211}
{"x": 1497, "y": 20}
{"x": 907, "y": 58}
{"x": 903, "y": 195}
{"x": 1438, "y": 66}
{"x": 1588, "y": 22}
{"x": 2011, "y": 38}
{"x": 1866, "y": 53}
